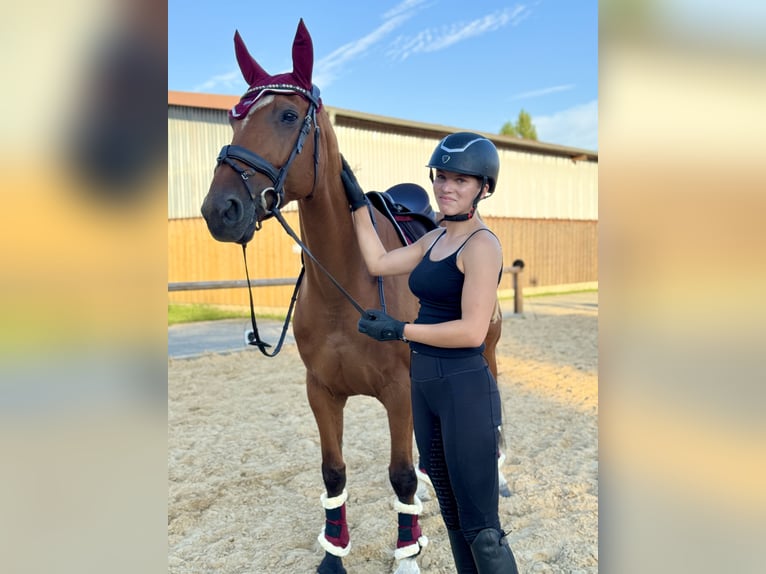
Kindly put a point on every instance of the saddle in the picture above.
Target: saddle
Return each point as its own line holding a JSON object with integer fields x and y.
{"x": 407, "y": 207}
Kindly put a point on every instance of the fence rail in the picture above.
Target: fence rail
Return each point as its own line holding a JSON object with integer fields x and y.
{"x": 277, "y": 282}
{"x": 203, "y": 285}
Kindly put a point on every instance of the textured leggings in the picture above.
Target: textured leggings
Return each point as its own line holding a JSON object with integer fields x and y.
{"x": 456, "y": 411}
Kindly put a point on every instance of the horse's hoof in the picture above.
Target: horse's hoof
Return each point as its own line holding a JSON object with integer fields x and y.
{"x": 505, "y": 492}
{"x": 331, "y": 565}
{"x": 422, "y": 492}
{"x": 407, "y": 566}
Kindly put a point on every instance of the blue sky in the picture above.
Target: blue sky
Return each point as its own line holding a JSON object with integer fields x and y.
{"x": 468, "y": 65}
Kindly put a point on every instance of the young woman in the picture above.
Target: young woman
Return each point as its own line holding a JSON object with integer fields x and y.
{"x": 454, "y": 271}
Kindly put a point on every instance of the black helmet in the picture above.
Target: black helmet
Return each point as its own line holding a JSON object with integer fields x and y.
{"x": 468, "y": 153}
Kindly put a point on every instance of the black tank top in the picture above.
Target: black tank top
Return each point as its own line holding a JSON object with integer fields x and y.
{"x": 438, "y": 285}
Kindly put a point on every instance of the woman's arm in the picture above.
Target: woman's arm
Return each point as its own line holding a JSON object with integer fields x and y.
{"x": 379, "y": 261}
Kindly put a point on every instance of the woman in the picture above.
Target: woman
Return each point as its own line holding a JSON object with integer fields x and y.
{"x": 454, "y": 271}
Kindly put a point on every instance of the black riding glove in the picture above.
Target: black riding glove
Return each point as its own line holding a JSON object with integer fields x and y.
{"x": 354, "y": 193}
{"x": 376, "y": 324}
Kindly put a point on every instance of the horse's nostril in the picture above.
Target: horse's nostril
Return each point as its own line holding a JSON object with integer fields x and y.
{"x": 233, "y": 212}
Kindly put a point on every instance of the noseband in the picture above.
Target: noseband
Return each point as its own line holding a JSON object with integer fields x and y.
{"x": 231, "y": 154}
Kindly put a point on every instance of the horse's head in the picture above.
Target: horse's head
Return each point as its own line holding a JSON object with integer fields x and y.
{"x": 273, "y": 155}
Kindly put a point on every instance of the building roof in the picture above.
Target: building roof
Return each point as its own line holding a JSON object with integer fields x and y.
{"x": 349, "y": 117}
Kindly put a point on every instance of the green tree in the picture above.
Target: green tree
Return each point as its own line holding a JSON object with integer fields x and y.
{"x": 523, "y": 128}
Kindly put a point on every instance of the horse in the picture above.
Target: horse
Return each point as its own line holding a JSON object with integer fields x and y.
{"x": 283, "y": 150}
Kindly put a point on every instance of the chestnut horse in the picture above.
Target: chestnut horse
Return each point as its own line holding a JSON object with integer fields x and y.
{"x": 284, "y": 149}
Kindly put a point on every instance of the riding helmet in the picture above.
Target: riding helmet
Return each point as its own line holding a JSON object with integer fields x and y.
{"x": 470, "y": 154}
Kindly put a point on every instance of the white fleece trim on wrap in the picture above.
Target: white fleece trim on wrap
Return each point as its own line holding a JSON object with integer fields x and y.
{"x": 335, "y": 501}
{"x": 331, "y": 548}
{"x": 411, "y": 550}
{"x": 414, "y": 508}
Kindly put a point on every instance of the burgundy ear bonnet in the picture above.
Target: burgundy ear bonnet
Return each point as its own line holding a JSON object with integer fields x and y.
{"x": 260, "y": 82}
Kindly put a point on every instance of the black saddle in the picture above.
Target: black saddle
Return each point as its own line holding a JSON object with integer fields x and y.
{"x": 407, "y": 207}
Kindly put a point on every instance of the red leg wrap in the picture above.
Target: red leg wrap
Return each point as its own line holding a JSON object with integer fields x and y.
{"x": 409, "y": 530}
{"x": 336, "y": 527}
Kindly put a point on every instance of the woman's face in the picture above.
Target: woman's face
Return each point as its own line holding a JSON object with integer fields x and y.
{"x": 455, "y": 192}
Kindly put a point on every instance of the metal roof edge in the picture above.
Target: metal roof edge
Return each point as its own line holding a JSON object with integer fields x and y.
{"x": 226, "y": 102}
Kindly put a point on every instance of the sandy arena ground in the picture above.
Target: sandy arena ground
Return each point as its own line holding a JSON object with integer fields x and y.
{"x": 244, "y": 463}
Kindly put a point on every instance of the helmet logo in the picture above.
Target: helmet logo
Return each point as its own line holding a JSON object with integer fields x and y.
{"x": 445, "y": 158}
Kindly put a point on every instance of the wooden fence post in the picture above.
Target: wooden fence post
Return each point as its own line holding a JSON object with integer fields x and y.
{"x": 518, "y": 299}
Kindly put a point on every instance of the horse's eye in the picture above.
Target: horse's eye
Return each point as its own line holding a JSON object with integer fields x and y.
{"x": 289, "y": 116}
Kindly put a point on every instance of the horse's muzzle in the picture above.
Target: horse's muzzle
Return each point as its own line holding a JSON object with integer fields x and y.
{"x": 227, "y": 218}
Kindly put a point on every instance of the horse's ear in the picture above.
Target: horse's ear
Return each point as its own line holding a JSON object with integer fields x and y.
{"x": 251, "y": 70}
{"x": 303, "y": 56}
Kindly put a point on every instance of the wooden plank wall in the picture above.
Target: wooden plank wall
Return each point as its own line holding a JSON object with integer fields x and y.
{"x": 555, "y": 252}
{"x": 193, "y": 255}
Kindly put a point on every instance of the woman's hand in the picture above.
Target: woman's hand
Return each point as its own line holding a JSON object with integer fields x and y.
{"x": 354, "y": 192}
{"x": 376, "y": 324}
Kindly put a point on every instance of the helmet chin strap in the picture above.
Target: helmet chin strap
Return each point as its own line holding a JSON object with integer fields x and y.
{"x": 459, "y": 217}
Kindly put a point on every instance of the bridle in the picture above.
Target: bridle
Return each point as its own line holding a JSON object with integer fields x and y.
{"x": 258, "y": 164}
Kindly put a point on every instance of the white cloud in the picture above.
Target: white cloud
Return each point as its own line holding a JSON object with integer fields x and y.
{"x": 328, "y": 68}
{"x": 231, "y": 80}
{"x": 575, "y": 127}
{"x": 434, "y": 40}
{"x": 543, "y": 92}
{"x": 405, "y": 6}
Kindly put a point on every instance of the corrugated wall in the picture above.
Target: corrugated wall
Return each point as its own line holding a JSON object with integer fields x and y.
{"x": 530, "y": 185}
{"x": 544, "y": 186}
{"x": 195, "y": 136}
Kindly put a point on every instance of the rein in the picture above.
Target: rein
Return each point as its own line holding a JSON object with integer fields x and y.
{"x": 306, "y": 250}
{"x": 254, "y": 338}
{"x": 259, "y": 164}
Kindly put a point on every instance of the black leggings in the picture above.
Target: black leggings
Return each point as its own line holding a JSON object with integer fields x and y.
{"x": 456, "y": 412}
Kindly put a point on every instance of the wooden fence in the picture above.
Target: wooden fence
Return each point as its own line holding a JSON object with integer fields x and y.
{"x": 555, "y": 253}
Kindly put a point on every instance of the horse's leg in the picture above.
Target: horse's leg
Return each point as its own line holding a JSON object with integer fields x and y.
{"x": 494, "y": 332}
{"x": 493, "y": 337}
{"x": 505, "y": 491}
{"x": 334, "y": 538}
{"x": 401, "y": 473}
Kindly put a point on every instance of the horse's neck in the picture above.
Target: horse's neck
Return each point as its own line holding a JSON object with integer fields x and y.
{"x": 327, "y": 229}
{"x": 325, "y": 221}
